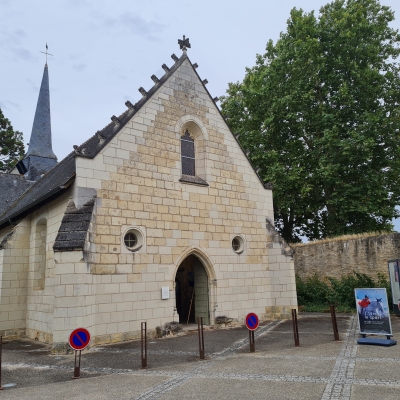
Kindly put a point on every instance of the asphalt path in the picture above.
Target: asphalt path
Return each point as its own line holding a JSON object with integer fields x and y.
{"x": 321, "y": 368}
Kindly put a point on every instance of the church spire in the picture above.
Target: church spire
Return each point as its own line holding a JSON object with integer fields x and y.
{"x": 40, "y": 157}
{"x": 40, "y": 142}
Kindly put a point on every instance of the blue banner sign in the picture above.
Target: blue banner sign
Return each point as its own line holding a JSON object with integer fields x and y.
{"x": 373, "y": 311}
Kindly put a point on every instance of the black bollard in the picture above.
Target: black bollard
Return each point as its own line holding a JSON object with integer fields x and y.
{"x": 295, "y": 328}
{"x": 201, "y": 337}
{"x": 144, "y": 344}
{"x": 334, "y": 322}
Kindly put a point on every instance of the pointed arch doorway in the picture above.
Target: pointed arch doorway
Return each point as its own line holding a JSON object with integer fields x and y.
{"x": 191, "y": 291}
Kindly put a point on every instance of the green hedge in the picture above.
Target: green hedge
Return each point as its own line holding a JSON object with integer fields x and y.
{"x": 316, "y": 294}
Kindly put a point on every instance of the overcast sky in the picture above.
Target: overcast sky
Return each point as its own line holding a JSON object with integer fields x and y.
{"x": 105, "y": 50}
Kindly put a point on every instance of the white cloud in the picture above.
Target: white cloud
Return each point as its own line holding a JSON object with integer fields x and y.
{"x": 8, "y": 38}
{"x": 79, "y": 67}
{"x": 134, "y": 24}
{"x": 21, "y": 53}
{"x": 8, "y": 105}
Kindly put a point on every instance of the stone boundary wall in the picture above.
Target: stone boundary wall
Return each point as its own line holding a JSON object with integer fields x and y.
{"x": 335, "y": 258}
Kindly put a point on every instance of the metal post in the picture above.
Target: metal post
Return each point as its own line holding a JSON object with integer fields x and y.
{"x": 334, "y": 322}
{"x": 201, "y": 336}
{"x": 77, "y": 368}
{"x": 1, "y": 349}
{"x": 251, "y": 340}
{"x": 295, "y": 328}
{"x": 144, "y": 344}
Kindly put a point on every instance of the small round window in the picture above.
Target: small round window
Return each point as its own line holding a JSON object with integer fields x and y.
{"x": 133, "y": 240}
{"x": 237, "y": 244}
{"x": 130, "y": 240}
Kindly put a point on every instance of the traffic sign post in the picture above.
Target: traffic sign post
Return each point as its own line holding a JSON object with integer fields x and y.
{"x": 79, "y": 340}
{"x": 252, "y": 323}
{"x": 77, "y": 368}
{"x": 251, "y": 340}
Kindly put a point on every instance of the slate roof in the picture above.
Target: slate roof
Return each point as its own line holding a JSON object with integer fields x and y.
{"x": 62, "y": 175}
{"x": 73, "y": 230}
{"x": 50, "y": 185}
{"x": 12, "y": 187}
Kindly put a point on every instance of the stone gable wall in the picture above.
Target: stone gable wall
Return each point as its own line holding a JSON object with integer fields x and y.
{"x": 137, "y": 181}
{"x": 336, "y": 258}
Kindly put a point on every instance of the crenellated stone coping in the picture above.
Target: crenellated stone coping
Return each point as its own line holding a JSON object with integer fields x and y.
{"x": 275, "y": 237}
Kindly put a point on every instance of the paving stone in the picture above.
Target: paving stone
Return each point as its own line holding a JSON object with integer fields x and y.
{"x": 319, "y": 369}
{"x": 199, "y": 388}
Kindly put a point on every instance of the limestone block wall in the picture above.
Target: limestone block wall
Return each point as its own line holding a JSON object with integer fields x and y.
{"x": 41, "y": 278}
{"x": 74, "y": 301}
{"x": 282, "y": 275}
{"x": 14, "y": 256}
{"x": 365, "y": 254}
{"x": 122, "y": 305}
{"x": 137, "y": 178}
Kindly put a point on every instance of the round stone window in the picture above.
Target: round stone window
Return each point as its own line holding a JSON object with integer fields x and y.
{"x": 133, "y": 240}
{"x": 238, "y": 244}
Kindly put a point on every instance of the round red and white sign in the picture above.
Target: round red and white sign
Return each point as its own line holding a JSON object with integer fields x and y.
{"x": 252, "y": 321}
{"x": 79, "y": 338}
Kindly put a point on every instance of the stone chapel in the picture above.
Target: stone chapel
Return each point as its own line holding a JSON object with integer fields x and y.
{"x": 158, "y": 217}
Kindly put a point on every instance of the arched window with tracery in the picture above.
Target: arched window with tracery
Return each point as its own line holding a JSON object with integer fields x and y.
{"x": 188, "y": 154}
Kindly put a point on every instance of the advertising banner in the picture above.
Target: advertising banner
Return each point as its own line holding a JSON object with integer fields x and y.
{"x": 373, "y": 311}
{"x": 394, "y": 274}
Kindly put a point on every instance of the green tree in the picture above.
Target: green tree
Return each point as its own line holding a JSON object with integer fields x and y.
{"x": 11, "y": 144}
{"x": 319, "y": 114}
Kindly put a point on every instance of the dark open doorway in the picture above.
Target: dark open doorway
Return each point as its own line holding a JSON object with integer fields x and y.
{"x": 191, "y": 291}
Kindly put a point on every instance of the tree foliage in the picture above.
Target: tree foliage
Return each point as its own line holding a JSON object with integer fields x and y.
{"x": 11, "y": 144}
{"x": 319, "y": 113}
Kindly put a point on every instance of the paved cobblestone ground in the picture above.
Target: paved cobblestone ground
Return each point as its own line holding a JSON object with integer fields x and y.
{"x": 319, "y": 369}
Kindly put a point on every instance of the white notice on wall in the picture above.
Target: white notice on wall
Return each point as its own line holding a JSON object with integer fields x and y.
{"x": 165, "y": 293}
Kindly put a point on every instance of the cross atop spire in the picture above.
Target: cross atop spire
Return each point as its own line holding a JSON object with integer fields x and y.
{"x": 45, "y": 52}
{"x": 184, "y": 44}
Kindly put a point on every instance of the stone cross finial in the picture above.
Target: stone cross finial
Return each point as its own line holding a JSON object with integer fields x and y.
{"x": 184, "y": 44}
